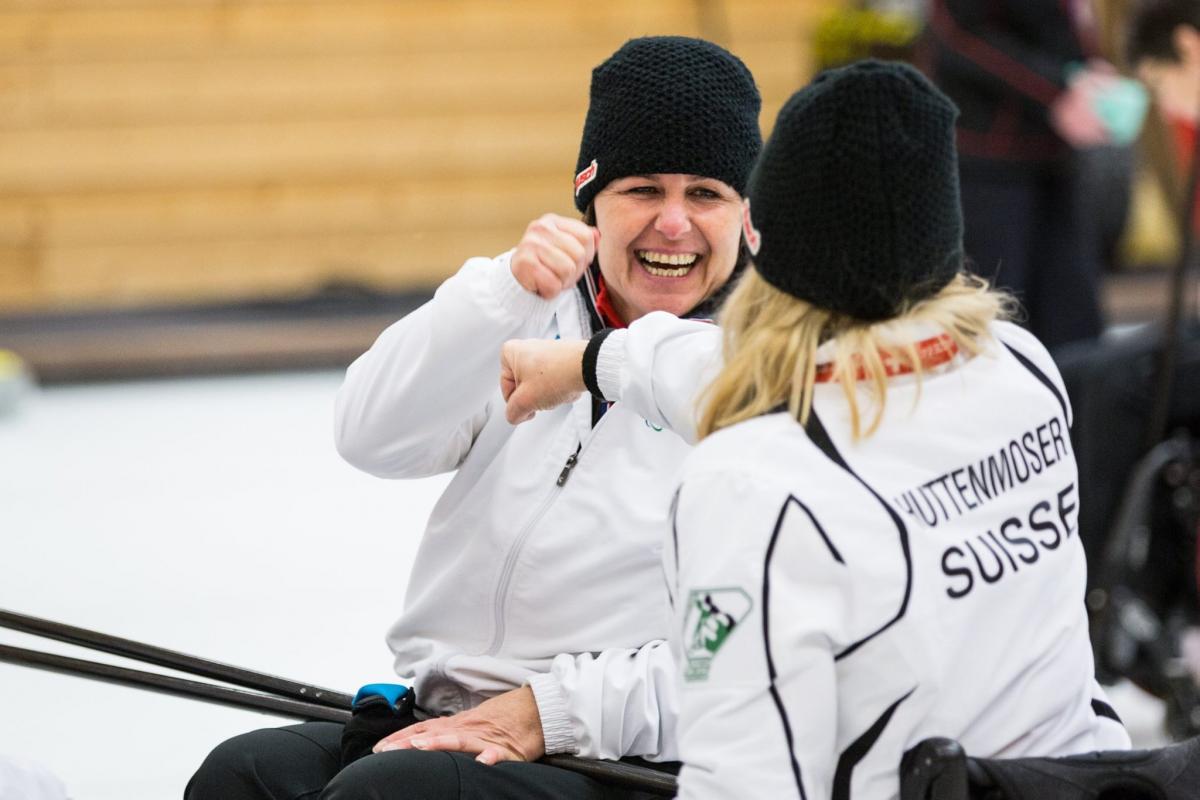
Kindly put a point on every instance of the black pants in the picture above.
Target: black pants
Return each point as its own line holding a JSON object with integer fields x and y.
{"x": 303, "y": 762}
{"x": 1027, "y": 230}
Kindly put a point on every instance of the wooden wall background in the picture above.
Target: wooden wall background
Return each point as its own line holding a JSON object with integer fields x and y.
{"x": 166, "y": 151}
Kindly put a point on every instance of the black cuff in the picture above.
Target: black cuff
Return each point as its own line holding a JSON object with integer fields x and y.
{"x": 590, "y": 354}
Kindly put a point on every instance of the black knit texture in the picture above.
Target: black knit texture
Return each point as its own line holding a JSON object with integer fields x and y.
{"x": 670, "y": 104}
{"x": 856, "y": 193}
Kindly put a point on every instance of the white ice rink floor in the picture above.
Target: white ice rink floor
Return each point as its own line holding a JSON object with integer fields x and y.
{"x": 211, "y": 516}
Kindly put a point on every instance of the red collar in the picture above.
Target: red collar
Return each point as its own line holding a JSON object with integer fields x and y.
{"x": 604, "y": 307}
{"x": 932, "y": 352}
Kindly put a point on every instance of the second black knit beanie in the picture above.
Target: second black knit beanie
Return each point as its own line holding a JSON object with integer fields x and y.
{"x": 854, "y": 205}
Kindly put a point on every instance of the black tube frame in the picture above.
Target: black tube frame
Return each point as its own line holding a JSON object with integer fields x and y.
{"x": 172, "y": 659}
{"x": 271, "y": 694}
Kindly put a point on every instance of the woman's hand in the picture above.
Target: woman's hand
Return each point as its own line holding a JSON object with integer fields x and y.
{"x": 539, "y": 374}
{"x": 553, "y": 254}
{"x": 505, "y": 728}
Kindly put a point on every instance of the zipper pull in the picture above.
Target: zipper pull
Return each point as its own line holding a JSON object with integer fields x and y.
{"x": 572, "y": 460}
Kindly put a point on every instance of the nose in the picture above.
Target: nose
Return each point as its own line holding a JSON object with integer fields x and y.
{"x": 673, "y": 221}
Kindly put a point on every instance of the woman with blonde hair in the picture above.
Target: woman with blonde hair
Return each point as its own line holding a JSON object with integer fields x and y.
{"x": 875, "y": 540}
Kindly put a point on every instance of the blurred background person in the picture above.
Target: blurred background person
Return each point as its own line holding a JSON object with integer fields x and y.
{"x": 1112, "y": 384}
{"x": 1164, "y": 53}
{"x": 1025, "y": 74}
{"x": 1140, "y": 533}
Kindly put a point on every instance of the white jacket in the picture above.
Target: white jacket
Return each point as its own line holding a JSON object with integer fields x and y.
{"x": 531, "y": 570}
{"x": 836, "y": 602}
{"x": 22, "y": 780}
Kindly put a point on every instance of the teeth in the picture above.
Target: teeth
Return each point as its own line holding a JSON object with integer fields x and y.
{"x": 674, "y": 259}
{"x": 667, "y": 273}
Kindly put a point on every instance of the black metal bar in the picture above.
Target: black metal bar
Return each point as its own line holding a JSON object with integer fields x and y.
{"x": 299, "y": 700}
{"x": 616, "y": 773}
{"x": 610, "y": 772}
{"x": 168, "y": 684}
{"x": 172, "y": 659}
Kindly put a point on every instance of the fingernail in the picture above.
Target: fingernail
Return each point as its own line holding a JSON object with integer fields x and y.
{"x": 385, "y": 748}
{"x": 420, "y": 744}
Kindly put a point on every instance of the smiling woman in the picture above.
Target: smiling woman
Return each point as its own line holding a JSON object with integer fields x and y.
{"x": 667, "y": 242}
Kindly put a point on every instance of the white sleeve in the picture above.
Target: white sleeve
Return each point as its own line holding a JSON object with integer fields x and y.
{"x": 658, "y": 367}
{"x": 618, "y": 702}
{"x": 758, "y": 699}
{"x": 412, "y": 405}
{"x": 22, "y": 779}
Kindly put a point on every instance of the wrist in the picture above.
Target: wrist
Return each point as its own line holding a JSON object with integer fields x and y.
{"x": 589, "y": 364}
{"x": 534, "y": 745}
{"x": 574, "y": 353}
{"x": 558, "y": 735}
{"x": 610, "y": 363}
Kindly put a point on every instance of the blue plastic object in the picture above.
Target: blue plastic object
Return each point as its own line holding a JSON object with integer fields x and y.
{"x": 392, "y": 692}
{"x": 1121, "y": 106}
{"x": 1122, "y": 109}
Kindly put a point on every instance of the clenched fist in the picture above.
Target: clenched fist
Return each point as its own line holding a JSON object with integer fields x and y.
{"x": 539, "y": 374}
{"x": 553, "y": 254}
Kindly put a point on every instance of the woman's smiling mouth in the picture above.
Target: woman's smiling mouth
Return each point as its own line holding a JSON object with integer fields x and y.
{"x": 666, "y": 265}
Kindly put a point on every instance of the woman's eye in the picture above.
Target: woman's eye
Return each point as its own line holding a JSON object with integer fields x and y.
{"x": 706, "y": 194}
{"x": 642, "y": 190}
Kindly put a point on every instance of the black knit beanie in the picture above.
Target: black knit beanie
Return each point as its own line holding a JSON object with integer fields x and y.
{"x": 668, "y": 104}
{"x": 854, "y": 204}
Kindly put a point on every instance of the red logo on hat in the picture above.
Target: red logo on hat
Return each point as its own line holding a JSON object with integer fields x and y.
{"x": 753, "y": 237}
{"x": 586, "y": 177}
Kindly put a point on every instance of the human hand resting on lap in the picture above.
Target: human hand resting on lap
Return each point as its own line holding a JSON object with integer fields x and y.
{"x": 504, "y": 728}
{"x": 553, "y": 254}
{"x": 539, "y": 374}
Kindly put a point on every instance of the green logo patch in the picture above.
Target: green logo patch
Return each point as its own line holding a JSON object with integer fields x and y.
{"x": 712, "y": 615}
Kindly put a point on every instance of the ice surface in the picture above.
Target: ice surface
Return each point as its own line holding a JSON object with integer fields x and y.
{"x": 211, "y": 516}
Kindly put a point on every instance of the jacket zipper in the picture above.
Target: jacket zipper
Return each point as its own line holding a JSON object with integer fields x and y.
{"x": 500, "y": 601}
{"x": 514, "y": 552}
{"x": 572, "y": 460}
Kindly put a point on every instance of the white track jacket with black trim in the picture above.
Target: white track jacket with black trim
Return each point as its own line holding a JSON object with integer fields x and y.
{"x": 541, "y": 562}
{"x": 836, "y": 602}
